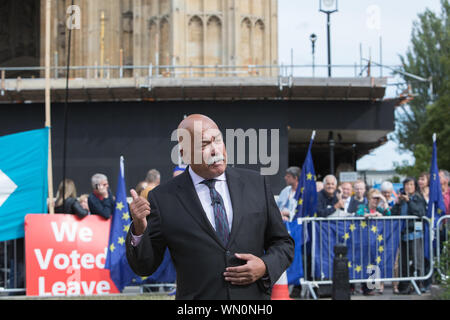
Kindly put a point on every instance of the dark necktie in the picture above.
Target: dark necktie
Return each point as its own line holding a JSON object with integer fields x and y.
{"x": 220, "y": 215}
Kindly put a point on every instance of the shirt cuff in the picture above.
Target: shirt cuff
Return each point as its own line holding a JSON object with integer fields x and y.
{"x": 135, "y": 240}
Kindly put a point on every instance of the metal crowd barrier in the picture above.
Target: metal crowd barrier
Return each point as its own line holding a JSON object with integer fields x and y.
{"x": 442, "y": 237}
{"x": 158, "y": 288}
{"x": 398, "y": 259}
{"x": 12, "y": 267}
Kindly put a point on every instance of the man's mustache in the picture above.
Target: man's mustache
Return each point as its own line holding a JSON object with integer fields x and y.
{"x": 215, "y": 159}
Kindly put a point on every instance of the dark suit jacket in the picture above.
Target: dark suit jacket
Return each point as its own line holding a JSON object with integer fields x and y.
{"x": 325, "y": 204}
{"x": 178, "y": 221}
{"x": 104, "y": 208}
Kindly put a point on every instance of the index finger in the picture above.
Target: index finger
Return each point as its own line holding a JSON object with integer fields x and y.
{"x": 238, "y": 269}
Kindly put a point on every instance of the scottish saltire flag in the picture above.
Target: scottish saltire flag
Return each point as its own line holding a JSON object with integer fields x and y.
{"x": 436, "y": 205}
{"x": 370, "y": 244}
{"x": 23, "y": 179}
{"x": 295, "y": 270}
{"x": 116, "y": 260}
{"x": 306, "y": 193}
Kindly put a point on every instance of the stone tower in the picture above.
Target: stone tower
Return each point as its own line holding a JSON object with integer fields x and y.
{"x": 182, "y": 33}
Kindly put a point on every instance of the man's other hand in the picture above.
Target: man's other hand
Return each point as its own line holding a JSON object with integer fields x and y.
{"x": 248, "y": 273}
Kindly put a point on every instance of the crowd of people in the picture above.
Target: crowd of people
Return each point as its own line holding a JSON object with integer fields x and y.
{"x": 101, "y": 201}
{"x": 333, "y": 199}
{"x": 356, "y": 199}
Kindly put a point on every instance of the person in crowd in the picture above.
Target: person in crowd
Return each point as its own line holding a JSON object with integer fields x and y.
{"x": 319, "y": 186}
{"x": 387, "y": 190}
{"x": 423, "y": 182}
{"x": 327, "y": 199}
{"x": 359, "y": 198}
{"x": 83, "y": 200}
{"x": 141, "y": 186}
{"x": 377, "y": 205}
{"x": 286, "y": 201}
{"x": 410, "y": 203}
{"x": 153, "y": 180}
{"x": 68, "y": 202}
{"x": 101, "y": 200}
{"x": 287, "y": 205}
{"x": 221, "y": 224}
{"x": 178, "y": 170}
{"x": 444, "y": 177}
{"x": 346, "y": 194}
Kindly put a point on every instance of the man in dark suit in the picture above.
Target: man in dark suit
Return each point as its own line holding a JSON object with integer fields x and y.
{"x": 221, "y": 225}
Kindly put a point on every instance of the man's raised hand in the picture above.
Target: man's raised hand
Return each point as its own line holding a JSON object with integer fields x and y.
{"x": 140, "y": 209}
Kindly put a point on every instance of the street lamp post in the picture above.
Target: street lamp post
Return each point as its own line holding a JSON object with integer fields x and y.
{"x": 313, "y": 39}
{"x": 328, "y": 7}
{"x": 331, "y": 144}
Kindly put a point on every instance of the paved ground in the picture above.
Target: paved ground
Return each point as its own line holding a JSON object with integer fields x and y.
{"x": 133, "y": 294}
{"x": 387, "y": 295}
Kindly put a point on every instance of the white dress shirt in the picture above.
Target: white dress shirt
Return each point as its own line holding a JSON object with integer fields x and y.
{"x": 347, "y": 202}
{"x": 205, "y": 199}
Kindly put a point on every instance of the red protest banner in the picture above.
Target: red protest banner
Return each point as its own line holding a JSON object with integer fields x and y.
{"x": 66, "y": 256}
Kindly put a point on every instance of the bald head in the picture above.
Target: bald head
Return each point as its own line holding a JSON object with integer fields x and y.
{"x": 201, "y": 145}
{"x": 189, "y": 122}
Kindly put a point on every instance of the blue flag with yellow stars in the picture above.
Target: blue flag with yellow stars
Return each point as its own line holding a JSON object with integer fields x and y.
{"x": 436, "y": 205}
{"x": 306, "y": 197}
{"x": 306, "y": 193}
{"x": 116, "y": 260}
{"x": 371, "y": 247}
{"x": 295, "y": 270}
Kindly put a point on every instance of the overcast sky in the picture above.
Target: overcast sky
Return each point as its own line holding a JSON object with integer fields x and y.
{"x": 357, "y": 22}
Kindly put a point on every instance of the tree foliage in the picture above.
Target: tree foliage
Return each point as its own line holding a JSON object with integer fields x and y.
{"x": 429, "y": 112}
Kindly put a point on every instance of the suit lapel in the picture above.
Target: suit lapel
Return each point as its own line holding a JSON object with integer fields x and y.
{"x": 188, "y": 196}
{"x": 236, "y": 189}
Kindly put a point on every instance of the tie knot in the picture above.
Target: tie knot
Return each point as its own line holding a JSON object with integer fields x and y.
{"x": 209, "y": 183}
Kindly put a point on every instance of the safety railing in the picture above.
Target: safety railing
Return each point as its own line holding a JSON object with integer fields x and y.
{"x": 442, "y": 237}
{"x": 379, "y": 249}
{"x": 12, "y": 267}
{"x": 158, "y": 288}
{"x": 186, "y": 71}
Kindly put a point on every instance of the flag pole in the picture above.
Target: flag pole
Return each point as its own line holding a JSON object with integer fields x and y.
{"x": 312, "y": 139}
{"x": 51, "y": 205}
{"x": 433, "y": 227}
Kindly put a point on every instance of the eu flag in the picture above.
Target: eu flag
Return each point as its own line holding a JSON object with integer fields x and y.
{"x": 295, "y": 270}
{"x": 370, "y": 244}
{"x": 116, "y": 261}
{"x": 306, "y": 193}
{"x": 306, "y": 197}
{"x": 23, "y": 179}
{"x": 436, "y": 205}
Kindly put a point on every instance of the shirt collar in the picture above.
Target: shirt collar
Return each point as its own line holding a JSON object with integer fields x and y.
{"x": 196, "y": 179}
